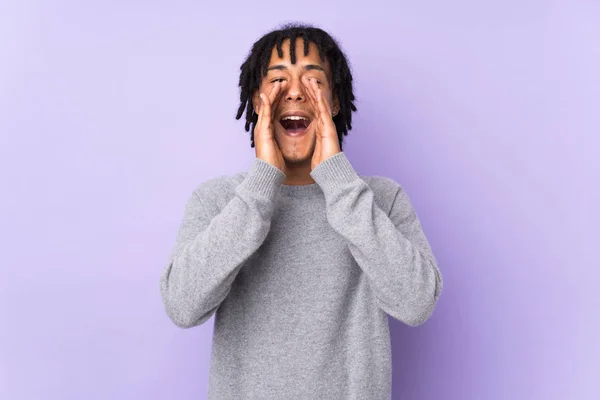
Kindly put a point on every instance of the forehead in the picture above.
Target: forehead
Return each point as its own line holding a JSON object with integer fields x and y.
{"x": 311, "y": 58}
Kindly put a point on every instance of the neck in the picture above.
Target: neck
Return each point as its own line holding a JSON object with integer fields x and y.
{"x": 298, "y": 174}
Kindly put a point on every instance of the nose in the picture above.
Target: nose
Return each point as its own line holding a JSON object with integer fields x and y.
{"x": 295, "y": 91}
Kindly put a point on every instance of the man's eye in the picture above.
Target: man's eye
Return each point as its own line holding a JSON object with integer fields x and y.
{"x": 277, "y": 80}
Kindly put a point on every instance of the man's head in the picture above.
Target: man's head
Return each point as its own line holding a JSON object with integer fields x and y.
{"x": 288, "y": 54}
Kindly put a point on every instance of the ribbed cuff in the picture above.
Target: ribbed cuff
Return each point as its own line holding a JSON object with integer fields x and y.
{"x": 334, "y": 172}
{"x": 263, "y": 179}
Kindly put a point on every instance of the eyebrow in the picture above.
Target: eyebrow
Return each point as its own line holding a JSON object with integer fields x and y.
{"x": 307, "y": 67}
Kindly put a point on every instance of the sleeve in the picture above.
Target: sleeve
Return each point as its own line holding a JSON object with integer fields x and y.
{"x": 391, "y": 250}
{"x": 212, "y": 244}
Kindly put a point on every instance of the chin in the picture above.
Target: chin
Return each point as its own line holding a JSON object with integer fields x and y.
{"x": 296, "y": 151}
{"x": 292, "y": 158}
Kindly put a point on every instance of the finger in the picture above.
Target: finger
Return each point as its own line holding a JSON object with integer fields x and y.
{"x": 269, "y": 95}
{"x": 316, "y": 94}
{"x": 276, "y": 92}
{"x": 317, "y": 151}
{"x": 310, "y": 93}
{"x": 259, "y": 121}
{"x": 321, "y": 103}
{"x": 265, "y": 110}
{"x": 266, "y": 98}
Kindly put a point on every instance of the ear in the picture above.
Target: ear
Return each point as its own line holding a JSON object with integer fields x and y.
{"x": 335, "y": 107}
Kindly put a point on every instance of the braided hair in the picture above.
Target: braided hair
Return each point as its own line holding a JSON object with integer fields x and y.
{"x": 255, "y": 67}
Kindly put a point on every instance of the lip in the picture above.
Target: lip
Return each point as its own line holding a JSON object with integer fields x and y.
{"x": 295, "y": 113}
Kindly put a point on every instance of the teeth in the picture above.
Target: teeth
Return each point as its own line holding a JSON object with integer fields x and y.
{"x": 293, "y": 117}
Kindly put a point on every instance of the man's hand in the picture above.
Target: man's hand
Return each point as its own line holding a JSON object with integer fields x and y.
{"x": 328, "y": 142}
{"x": 264, "y": 131}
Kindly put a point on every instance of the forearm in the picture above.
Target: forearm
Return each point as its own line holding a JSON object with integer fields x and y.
{"x": 391, "y": 249}
{"x": 212, "y": 246}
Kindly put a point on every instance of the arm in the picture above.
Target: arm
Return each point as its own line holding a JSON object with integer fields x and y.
{"x": 392, "y": 250}
{"x": 212, "y": 244}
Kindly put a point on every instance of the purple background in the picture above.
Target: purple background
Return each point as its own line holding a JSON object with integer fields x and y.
{"x": 488, "y": 113}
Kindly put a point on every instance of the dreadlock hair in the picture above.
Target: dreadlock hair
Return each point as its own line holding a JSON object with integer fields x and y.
{"x": 255, "y": 67}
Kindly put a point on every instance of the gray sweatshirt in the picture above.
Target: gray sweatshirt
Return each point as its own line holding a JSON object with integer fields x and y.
{"x": 301, "y": 279}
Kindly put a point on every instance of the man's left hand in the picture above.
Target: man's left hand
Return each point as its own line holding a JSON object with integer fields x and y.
{"x": 327, "y": 138}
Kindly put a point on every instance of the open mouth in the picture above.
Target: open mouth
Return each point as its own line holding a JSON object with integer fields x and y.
{"x": 295, "y": 125}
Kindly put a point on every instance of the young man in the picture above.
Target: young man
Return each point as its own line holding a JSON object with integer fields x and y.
{"x": 301, "y": 258}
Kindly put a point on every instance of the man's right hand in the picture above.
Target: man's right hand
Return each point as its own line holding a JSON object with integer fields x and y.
{"x": 264, "y": 131}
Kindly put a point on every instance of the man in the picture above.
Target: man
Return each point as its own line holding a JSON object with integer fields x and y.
{"x": 301, "y": 258}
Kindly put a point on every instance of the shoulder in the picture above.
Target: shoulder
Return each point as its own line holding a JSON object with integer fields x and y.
{"x": 382, "y": 184}
{"x": 218, "y": 190}
{"x": 384, "y": 189}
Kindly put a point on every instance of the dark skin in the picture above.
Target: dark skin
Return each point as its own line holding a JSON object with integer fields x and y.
{"x": 304, "y": 86}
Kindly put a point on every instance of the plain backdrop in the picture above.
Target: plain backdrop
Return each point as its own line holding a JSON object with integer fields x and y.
{"x": 487, "y": 113}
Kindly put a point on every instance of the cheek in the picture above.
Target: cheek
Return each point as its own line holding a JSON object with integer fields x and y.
{"x": 328, "y": 96}
{"x": 329, "y": 102}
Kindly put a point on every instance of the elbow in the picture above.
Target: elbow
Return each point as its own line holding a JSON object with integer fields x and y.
{"x": 411, "y": 316}
{"x": 416, "y": 311}
{"x": 422, "y": 309}
{"x": 182, "y": 317}
{"x": 418, "y": 317}
{"x": 185, "y": 322}
{"x": 177, "y": 313}
{"x": 421, "y": 312}
{"x": 180, "y": 312}
{"x": 177, "y": 303}
{"x": 181, "y": 321}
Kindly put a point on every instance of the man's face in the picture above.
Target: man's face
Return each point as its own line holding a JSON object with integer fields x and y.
{"x": 296, "y": 141}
